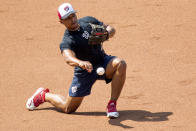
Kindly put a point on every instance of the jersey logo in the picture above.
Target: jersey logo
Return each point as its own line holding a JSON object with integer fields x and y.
{"x": 85, "y": 35}
{"x": 74, "y": 89}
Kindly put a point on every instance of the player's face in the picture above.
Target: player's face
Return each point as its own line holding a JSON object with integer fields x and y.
{"x": 71, "y": 22}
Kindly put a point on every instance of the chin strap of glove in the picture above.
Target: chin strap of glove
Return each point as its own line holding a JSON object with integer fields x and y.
{"x": 98, "y": 35}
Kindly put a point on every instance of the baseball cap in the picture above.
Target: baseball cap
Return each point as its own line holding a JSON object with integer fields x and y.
{"x": 65, "y": 10}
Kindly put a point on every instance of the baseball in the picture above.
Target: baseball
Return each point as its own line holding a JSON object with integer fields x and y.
{"x": 100, "y": 71}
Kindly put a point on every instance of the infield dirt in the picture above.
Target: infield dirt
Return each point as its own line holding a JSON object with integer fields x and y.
{"x": 157, "y": 39}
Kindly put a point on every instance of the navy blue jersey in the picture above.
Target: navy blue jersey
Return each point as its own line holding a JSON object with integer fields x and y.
{"x": 77, "y": 41}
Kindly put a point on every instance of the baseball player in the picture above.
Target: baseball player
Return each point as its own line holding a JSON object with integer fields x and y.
{"x": 82, "y": 48}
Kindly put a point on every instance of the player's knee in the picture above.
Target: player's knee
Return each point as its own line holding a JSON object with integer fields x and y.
{"x": 68, "y": 110}
{"x": 121, "y": 65}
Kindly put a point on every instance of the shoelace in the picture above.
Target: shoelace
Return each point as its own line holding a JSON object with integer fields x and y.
{"x": 111, "y": 107}
{"x": 38, "y": 99}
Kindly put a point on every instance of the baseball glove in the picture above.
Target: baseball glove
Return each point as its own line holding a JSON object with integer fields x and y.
{"x": 98, "y": 34}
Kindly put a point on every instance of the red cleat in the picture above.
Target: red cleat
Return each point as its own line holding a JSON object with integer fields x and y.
{"x": 111, "y": 110}
{"x": 37, "y": 98}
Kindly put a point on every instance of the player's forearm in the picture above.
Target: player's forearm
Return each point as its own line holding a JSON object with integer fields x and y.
{"x": 86, "y": 65}
{"x": 70, "y": 58}
{"x": 73, "y": 61}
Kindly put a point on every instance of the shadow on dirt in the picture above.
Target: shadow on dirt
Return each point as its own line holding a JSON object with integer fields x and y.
{"x": 134, "y": 115}
{"x": 139, "y": 116}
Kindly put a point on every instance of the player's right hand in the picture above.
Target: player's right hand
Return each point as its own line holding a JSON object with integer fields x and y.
{"x": 86, "y": 65}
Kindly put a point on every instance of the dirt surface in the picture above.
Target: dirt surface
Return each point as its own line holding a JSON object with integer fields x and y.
{"x": 155, "y": 37}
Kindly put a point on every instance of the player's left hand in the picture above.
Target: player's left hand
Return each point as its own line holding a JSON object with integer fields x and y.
{"x": 98, "y": 34}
